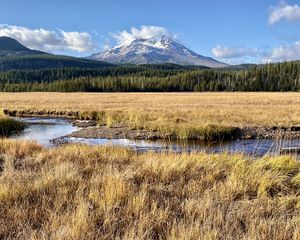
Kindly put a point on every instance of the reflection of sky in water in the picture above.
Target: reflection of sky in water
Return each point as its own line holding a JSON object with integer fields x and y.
{"x": 42, "y": 120}
{"x": 255, "y": 147}
{"x": 46, "y": 129}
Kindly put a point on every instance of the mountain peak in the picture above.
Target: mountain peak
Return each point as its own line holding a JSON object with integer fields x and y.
{"x": 152, "y": 40}
{"x": 11, "y": 47}
{"x": 10, "y": 44}
{"x": 156, "y": 50}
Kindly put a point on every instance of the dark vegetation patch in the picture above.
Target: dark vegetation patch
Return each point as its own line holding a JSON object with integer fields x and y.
{"x": 8, "y": 126}
{"x": 65, "y": 74}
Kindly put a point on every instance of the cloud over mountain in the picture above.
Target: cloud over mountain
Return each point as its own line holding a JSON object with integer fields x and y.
{"x": 142, "y": 33}
{"x": 48, "y": 40}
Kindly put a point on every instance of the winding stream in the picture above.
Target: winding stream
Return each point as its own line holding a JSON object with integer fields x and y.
{"x": 43, "y": 130}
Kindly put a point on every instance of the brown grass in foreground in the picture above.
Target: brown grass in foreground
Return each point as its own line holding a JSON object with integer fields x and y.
{"x": 83, "y": 192}
{"x": 184, "y": 114}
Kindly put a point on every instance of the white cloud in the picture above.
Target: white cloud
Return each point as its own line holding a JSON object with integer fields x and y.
{"x": 230, "y": 53}
{"x": 284, "y": 53}
{"x": 144, "y": 32}
{"x": 284, "y": 12}
{"x": 77, "y": 41}
{"x": 106, "y": 46}
{"x": 48, "y": 40}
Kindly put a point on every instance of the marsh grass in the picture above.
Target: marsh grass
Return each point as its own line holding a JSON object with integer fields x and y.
{"x": 8, "y": 125}
{"x": 84, "y": 192}
{"x": 183, "y": 115}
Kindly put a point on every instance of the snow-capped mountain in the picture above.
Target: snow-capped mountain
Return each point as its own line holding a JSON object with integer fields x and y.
{"x": 153, "y": 51}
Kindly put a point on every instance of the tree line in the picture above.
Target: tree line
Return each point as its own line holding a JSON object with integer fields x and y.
{"x": 160, "y": 78}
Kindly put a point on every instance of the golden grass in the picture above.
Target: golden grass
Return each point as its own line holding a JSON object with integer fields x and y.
{"x": 84, "y": 192}
{"x": 185, "y": 114}
{"x": 201, "y": 108}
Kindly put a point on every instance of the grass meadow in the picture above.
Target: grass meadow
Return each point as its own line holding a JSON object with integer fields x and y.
{"x": 184, "y": 114}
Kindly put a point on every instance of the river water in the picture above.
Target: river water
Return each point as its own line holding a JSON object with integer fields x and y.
{"x": 43, "y": 130}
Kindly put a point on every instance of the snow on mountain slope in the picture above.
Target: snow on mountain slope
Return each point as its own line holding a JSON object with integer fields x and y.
{"x": 154, "y": 51}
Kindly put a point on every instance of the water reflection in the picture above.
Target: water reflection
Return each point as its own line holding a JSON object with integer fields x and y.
{"x": 43, "y": 130}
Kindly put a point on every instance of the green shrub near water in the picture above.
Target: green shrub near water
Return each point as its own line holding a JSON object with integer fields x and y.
{"x": 8, "y": 125}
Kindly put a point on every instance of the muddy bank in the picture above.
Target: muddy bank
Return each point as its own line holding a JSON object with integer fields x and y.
{"x": 84, "y": 123}
{"x": 118, "y": 131}
{"x": 122, "y": 131}
{"x": 42, "y": 113}
{"x": 258, "y": 132}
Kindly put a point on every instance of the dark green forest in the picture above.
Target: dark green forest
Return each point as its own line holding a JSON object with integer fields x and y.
{"x": 148, "y": 78}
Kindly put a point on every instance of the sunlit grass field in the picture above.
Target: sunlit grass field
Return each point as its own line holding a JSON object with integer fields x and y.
{"x": 84, "y": 192}
{"x": 184, "y": 114}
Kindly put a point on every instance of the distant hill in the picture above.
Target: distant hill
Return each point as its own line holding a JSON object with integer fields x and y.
{"x": 11, "y": 47}
{"x": 46, "y": 61}
{"x": 15, "y": 56}
{"x": 240, "y": 66}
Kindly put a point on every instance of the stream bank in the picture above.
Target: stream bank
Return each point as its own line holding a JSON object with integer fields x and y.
{"x": 53, "y": 132}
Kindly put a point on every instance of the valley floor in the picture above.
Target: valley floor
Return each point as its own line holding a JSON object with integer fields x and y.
{"x": 85, "y": 192}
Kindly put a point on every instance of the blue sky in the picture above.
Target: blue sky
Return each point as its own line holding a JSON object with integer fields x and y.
{"x": 230, "y": 30}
